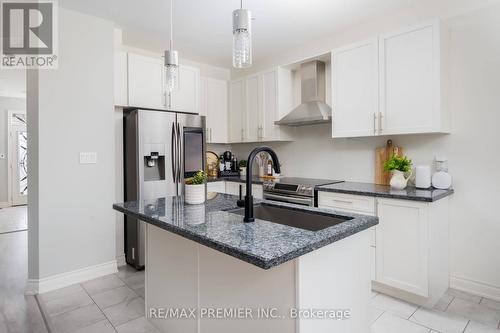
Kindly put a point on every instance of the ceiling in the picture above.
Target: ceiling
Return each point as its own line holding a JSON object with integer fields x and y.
{"x": 202, "y": 28}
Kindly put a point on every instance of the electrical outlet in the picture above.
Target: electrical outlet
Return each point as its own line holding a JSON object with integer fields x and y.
{"x": 88, "y": 157}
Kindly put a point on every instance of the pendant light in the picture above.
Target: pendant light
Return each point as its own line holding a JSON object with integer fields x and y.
{"x": 242, "y": 38}
{"x": 171, "y": 60}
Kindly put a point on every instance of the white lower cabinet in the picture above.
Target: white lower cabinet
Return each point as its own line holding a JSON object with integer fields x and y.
{"x": 402, "y": 237}
{"x": 234, "y": 189}
{"x": 218, "y": 187}
{"x": 409, "y": 247}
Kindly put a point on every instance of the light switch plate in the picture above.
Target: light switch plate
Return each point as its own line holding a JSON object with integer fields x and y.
{"x": 88, "y": 157}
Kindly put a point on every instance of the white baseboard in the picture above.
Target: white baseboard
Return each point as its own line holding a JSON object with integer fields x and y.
{"x": 475, "y": 287}
{"x": 5, "y": 204}
{"x": 120, "y": 260}
{"x": 66, "y": 279}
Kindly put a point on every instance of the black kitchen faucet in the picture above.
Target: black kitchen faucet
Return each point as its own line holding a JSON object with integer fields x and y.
{"x": 249, "y": 198}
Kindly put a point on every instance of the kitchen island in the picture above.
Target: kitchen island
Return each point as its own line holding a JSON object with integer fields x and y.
{"x": 230, "y": 276}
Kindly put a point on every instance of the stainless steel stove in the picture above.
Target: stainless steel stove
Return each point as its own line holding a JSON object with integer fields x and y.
{"x": 300, "y": 191}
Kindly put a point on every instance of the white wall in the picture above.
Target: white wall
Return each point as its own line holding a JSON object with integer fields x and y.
{"x": 74, "y": 113}
{"x": 471, "y": 148}
{"x": 6, "y": 104}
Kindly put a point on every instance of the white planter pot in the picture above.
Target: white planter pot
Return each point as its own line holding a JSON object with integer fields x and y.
{"x": 194, "y": 194}
{"x": 243, "y": 171}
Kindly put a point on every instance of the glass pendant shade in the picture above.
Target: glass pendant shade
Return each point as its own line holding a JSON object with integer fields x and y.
{"x": 242, "y": 39}
{"x": 171, "y": 71}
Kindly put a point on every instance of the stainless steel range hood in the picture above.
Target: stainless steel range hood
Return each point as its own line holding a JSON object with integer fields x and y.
{"x": 313, "y": 109}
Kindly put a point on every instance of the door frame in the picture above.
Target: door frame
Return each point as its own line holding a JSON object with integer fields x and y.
{"x": 10, "y": 153}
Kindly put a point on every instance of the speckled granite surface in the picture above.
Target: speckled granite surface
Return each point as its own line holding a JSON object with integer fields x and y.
{"x": 382, "y": 191}
{"x": 261, "y": 243}
{"x": 255, "y": 179}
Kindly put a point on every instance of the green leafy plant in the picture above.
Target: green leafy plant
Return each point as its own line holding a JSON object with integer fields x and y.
{"x": 199, "y": 178}
{"x": 242, "y": 163}
{"x": 398, "y": 163}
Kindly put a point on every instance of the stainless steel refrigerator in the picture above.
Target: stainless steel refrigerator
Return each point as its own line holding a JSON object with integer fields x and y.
{"x": 161, "y": 149}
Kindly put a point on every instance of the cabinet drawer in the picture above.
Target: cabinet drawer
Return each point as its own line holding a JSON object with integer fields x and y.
{"x": 219, "y": 187}
{"x": 347, "y": 202}
{"x": 234, "y": 189}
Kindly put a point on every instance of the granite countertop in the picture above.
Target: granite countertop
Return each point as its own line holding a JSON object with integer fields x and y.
{"x": 383, "y": 191}
{"x": 237, "y": 179}
{"x": 261, "y": 243}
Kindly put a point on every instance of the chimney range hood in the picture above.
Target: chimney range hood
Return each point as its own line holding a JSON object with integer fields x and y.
{"x": 313, "y": 109}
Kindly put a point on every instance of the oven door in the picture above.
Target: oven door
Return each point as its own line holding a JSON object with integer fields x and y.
{"x": 294, "y": 199}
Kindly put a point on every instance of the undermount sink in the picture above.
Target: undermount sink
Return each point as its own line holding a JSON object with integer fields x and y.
{"x": 302, "y": 219}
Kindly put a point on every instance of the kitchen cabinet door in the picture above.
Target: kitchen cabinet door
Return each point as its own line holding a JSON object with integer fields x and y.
{"x": 355, "y": 90}
{"x": 216, "y": 106}
{"x": 237, "y": 111}
{"x": 402, "y": 243}
{"x": 120, "y": 78}
{"x": 410, "y": 80}
{"x": 145, "y": 81}
{"x": 269, "y": 112}
{"x": 186, "y": 98}
{"x": 254, "y": 108}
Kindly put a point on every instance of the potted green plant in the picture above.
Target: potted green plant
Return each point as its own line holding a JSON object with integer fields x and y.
{"x": 195, "y": 188}
{"x": 400, "y": 166}
{"x": 243, "y": 167}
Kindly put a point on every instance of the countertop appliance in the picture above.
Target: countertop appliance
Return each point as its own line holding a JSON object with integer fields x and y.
{"x": 161, "y": 149}
{"x": 300, "y": 191}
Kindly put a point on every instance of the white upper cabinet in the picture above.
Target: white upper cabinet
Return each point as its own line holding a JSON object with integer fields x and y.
{"x": 253, "y": 108}
{"x": 213, "y": 105}
{"x": 186, "y": 99}
{"x": 355, "y": 89}
{"x": 145, "y": 81}
{"x": 411, "y": 74}
{"x": 256, "y": 102}
{"x": 120, "y": 78}
{"x": 237, "y": 104}
{"x": 410, "y": 67}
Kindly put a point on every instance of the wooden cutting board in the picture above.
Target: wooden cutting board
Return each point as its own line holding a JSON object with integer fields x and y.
{"x": 381, "y": 156}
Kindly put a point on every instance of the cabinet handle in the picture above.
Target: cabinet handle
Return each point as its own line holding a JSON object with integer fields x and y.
{"x": 380, "y": 115}
{"x": 242, "y": 134}
{"x": 343, "y": 201}
{"x": 211, "y": 135}
{"x": 374, "y": 123}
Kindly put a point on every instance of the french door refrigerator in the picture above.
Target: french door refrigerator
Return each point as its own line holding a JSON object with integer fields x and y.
{"x": 161, "y": 149}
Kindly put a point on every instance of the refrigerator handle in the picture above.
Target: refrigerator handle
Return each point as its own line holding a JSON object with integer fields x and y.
{"x": 173, "y": 153}
{"x": 179, "y": 152}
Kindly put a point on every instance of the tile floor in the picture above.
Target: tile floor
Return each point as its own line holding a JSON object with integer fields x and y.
{"x": 115, "y": 303}
{"x": 13, "y": 219}
{"x": 18, "y": 313}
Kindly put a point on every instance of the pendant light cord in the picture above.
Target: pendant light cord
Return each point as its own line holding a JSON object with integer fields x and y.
{"x": 172, "y": 25}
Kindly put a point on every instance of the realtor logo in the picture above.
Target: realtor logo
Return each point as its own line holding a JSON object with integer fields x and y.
{"x": 28, "y": 34}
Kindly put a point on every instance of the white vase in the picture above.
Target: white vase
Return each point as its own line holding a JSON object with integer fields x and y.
{"x": 194, "y": 194}
{"x": 398, "y": 180}
{"x": 243, "y": 171}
